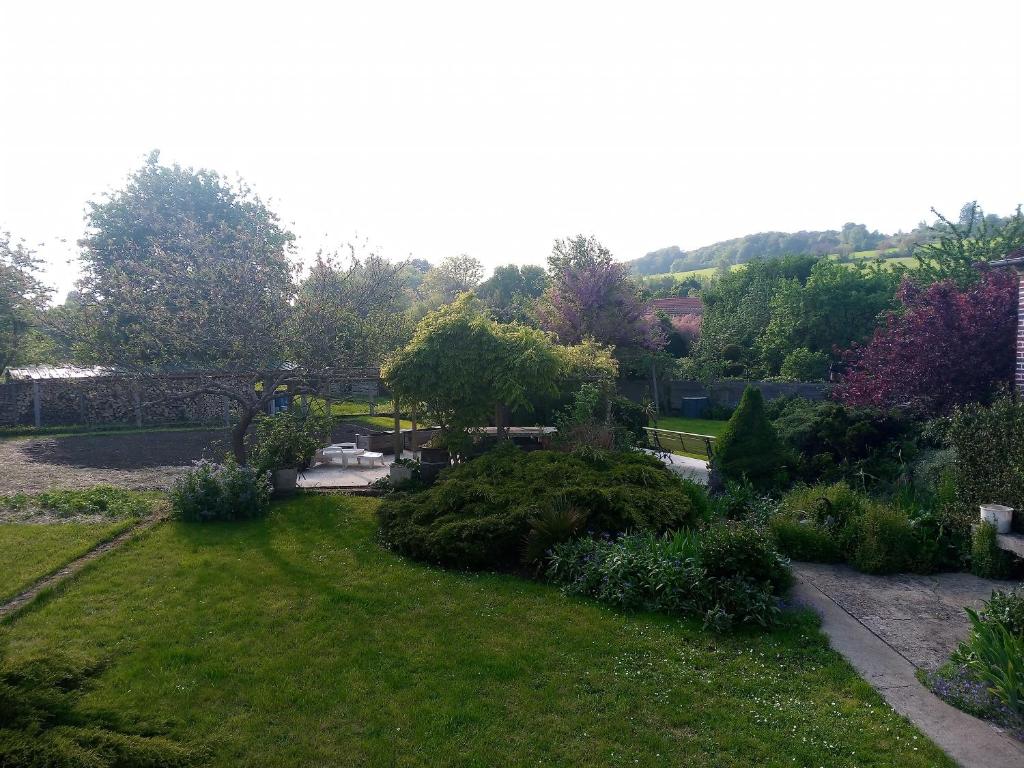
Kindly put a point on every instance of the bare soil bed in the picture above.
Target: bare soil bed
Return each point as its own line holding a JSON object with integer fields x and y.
{"x": 139, "y": 461}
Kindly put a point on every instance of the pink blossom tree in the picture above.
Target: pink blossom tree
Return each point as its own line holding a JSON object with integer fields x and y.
{"x": 947, "y": 346}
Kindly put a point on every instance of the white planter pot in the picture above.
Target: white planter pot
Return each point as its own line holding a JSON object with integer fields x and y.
{"x": 998, "y": 515}
{"x": 400, "y": 473}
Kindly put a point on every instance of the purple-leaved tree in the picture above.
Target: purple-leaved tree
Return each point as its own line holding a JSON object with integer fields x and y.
{"x": 590, "y": 296}
{"x": 946, "y": 347}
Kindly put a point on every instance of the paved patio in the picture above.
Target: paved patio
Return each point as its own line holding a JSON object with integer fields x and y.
{"x": 352, "y": 476}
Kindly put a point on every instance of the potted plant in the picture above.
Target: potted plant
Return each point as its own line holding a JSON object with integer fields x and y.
{"x": 435, "y": 451}
{"x": 285, "y": 446}
{"x": 404, "y": 470}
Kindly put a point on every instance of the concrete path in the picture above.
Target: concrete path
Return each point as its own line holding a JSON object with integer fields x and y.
{"x": 684, "y": 466}
{"x": 922, "y": 618}
{"x": 905, "y": 615}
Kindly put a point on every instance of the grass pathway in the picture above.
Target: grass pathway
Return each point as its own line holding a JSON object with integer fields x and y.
{"x": 50, "y": 565}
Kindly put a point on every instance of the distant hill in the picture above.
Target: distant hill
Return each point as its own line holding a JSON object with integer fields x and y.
{"x": 768, "y": 245}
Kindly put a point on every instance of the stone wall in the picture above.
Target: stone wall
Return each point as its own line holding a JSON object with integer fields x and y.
{"x": 110, "y": 400}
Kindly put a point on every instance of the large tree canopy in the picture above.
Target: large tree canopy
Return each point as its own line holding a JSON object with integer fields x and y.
{"x": 770, "y": 315}
{"x": 182, "y": 268}
{"x": 23, "y": 298}
{"x": 461, "y": 364}
{"x": 590, "y": 296}
{"x": 349, "y": 316}
{"x": 511, "y": 291}
{"x": 959, "y": 246}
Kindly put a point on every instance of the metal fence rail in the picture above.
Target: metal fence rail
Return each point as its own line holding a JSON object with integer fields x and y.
{"x": 670, "y": 441}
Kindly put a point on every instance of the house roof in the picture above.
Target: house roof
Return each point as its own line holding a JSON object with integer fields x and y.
{"x": 674, "y": 306}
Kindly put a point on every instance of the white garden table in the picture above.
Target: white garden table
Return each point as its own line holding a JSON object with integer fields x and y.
{"x": 343, "y": 451}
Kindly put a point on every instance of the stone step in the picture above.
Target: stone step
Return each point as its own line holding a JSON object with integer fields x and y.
{"x": 1011, "y": 542}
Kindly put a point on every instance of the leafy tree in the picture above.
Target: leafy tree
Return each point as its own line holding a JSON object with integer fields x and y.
{"x": 959, "y": 246}
{"x": 738, "y": 309}
{"x": 461, "y": 365}
{"x": 23, "y": 300}
{"x": 454, "y": 275}
{"x": 349, "y": 316}
{"x": 946, "y": 347}
{"x": 838, "y": 305}
{"x": 511, "y": 291}
{"x": 182, "y": 268}
{"x": 749, "y": 450}
{"x": 592, "y": 296}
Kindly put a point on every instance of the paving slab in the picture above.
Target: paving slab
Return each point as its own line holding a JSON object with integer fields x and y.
{"x": 971, "y": 742}
{"x": 921, "y": 617}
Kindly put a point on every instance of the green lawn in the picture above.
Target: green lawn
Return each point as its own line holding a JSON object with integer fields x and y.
{"x": 713, "y": 427}
{"x": 29, "y": 551}
{"x": 296, "y": 640}
{"x": 378, "y": 422}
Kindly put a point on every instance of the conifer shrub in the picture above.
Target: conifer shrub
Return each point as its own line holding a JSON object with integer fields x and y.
{"x": 480, "y": 514}
{"x": 749, "y": 449}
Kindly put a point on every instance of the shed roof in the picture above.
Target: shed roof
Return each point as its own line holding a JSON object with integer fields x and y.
{"x": 56, "y": 372}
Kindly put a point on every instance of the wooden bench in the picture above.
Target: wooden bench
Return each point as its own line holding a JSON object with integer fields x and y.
{"x": 670, "y": 441}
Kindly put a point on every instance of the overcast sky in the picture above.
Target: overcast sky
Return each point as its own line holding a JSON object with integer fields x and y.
{"x": 491, "y": 129}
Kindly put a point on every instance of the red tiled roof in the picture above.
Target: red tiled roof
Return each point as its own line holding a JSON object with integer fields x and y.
{"x": 678, "y": 305}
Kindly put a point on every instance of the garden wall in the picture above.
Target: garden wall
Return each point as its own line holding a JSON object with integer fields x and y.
{"x": 109, "y": 400}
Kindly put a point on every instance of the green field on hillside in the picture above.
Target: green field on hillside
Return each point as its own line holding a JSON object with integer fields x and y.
{"x": 858, "y": 257}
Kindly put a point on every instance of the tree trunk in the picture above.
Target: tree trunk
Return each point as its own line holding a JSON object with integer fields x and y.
{"x": 245, "y": 417}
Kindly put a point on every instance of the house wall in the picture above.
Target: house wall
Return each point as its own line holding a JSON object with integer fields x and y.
{"x": 1019, "y": 372}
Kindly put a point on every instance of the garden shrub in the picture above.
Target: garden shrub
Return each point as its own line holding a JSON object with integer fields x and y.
{"x": 289, "y": 440}
{"x": 995, "y": 656}
{"x": 728, "y": 574}
{"x": 478, "y": 513}
{"x": 833, "y": 523}
{"x": 749, "y": 449}
{"x": 221, "y": 492}
{"x": 989, "y": 443}
{"x": 805, "y": 540}
{"x": 882, "y": 540}
{"x": 631, "y": 417}
{"x": 832, "y": 442}
{"x": 987, "y": 560}
{"x": 41, "y": 725}
{"x": 741, "y": 501}
{"x": 100, "y": 500}
{"x": 801, "y": 364}
{"x": 1007, "y": 608}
